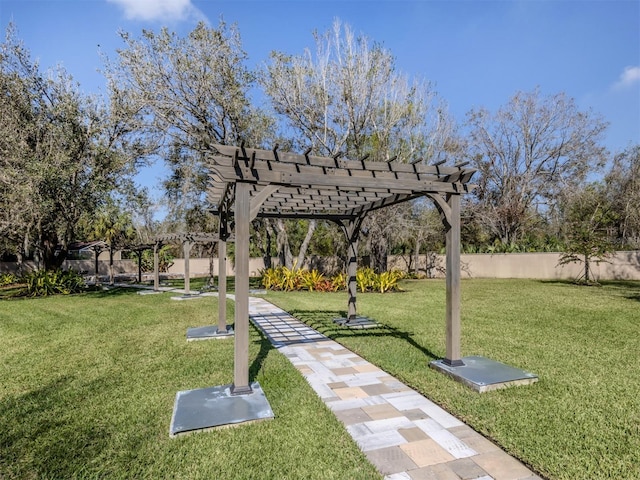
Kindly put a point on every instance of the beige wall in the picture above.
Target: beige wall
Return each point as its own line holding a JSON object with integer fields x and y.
{"x": 199, "y": 267}
{"x": 623, "y": 266}
{"x": 88, "y": 266}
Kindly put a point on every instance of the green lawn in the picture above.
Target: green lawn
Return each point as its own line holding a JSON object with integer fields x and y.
{"x": 580, "y": 421}
{"x": 88, "y": 382}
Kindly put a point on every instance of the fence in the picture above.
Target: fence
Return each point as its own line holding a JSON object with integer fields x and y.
{"x": 544, "y": 266}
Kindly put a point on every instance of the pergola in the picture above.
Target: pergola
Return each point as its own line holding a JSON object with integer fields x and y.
{"x": 139, "y": 249}
{"x": 250, "y": 183}
{"x": 97, "y": 247}
{"x": 187, "y": 240}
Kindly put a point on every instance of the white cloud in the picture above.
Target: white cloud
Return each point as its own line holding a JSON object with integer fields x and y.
{"x": 162, "y": 10}
{"x": 628, "y": 77}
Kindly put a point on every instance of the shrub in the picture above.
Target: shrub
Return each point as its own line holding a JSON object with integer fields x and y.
{"x": 165, "y": 259}
{"x": 283, "y": 278}
{"x": 311, "y": 280}
{"x": 7, "y": 279}
{"x": 365, "y": 279}
{"x": 387, "y": 281}
{"x": 339, "y": 282}
{"x": 43, "y": 282}
{"x": 270, "y": 278}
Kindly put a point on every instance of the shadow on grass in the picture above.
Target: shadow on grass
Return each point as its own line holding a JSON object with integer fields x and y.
{"x": 562, "y": 281}
{"x": 629, "y": 289}
{"x": 98, "y": 292}
{"x": 265, "y": 348}
{"x": 110, "y": 291}
{"x": 322, "y": 321}
{"x": 204, "y": 283}
{"x": 41, "y": 438}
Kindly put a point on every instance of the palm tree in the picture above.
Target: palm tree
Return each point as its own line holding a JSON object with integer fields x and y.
{"x": 114, "y": 227}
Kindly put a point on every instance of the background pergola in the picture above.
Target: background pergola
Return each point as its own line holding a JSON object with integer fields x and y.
{"x": 249, "y": 183}
{"x": 187, "y": 240}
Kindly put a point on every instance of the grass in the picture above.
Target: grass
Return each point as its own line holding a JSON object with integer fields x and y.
{"x": 202, "y": 283}
{"x": 581, "y": 420}
{"x": 88, "y": 382}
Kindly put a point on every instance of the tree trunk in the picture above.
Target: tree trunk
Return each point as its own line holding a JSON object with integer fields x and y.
{"x": 379, "y": 249}
{"x": 211, "y": 278}
{"x": 587, "y": 274}
{"x": 48, "y": 246}
{"x": 284, "y": 250}
{"x": 264, "y": 244}
{"x": 302, "y": 255}
{"x": 19, "y": 263}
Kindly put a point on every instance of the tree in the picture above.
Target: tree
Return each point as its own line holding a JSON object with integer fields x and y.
{"x": 184, "y": 95}
{"x": 61, "y": 154}
{"x": 115, "y": 228}
{"x": 623, "y": 190}
{"x": 421, "y": 229}
{"x": 16, "y": 125}
{"x": 528, "y": 153}
{"x": 347, "y": 99}
{"x": 588, "y": 218}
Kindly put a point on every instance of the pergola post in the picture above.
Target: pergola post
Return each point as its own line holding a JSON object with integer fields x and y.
{"x": 186, "y": 249}
{"x": 242, "y": 221}
{"x": 453, "y": 355}
{"x": 352, "y": 286}
{"x": 139, "y": 255}
{"x": 156, "y": 267}
{"x": 222, "y": 284}
{"x": 96, "y": 252}
{"x": 351, "y": 229}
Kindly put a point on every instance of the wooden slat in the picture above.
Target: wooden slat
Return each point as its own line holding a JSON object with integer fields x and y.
{"x": 293, "y": 182}
{"x": 289, "y": 157}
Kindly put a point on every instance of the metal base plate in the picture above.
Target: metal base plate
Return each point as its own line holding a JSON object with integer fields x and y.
{"x": 358, "y": 322}
{"x": 483, "y": 374}
{"x": 207, "y": 333}
{"x": 216, "y": 407}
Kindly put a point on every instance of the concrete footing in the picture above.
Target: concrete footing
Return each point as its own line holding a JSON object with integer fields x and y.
{"x": 215, "y": 407}
{"x": 484, "y": 375}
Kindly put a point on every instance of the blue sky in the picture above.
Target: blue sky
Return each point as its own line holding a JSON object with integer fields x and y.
{"x": 477, "y": 52}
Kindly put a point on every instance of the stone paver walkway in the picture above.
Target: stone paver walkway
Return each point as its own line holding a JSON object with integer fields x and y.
{"x": 405, "y": 435}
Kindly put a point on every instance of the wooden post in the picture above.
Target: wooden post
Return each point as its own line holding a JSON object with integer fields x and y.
{"x": 241, "y": 364}
{"x": 453, "y": 356}
{"x": 139, "y": 253}
{"x": 186, "y": 249}
{"x": 222, "y": 285}
{"x": 351, "y": 230}
{"x": 352, "y": 285}
{"x": 156, "y": 267}
{"x": 96, "y": 251}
